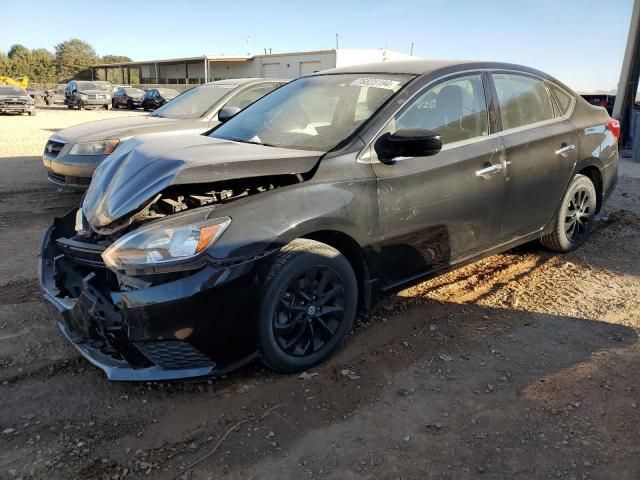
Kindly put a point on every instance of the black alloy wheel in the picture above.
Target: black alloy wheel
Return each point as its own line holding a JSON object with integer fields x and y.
{"x": 574, "y": 217}
{"x": 578, "y": 215}
{"x": 307, "y": 305}
{"x": 309, "y": 311}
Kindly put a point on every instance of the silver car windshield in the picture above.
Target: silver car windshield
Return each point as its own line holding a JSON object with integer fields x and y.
{"x": 12, "y": 91}
{"x": 193, "y": 103}
{"x": 312, "y": 113}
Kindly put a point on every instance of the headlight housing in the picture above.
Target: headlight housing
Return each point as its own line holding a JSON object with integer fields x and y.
{"x": 84, "y": 97}
{"x": 104, "y": 147}
{"x": 180, "y": 239}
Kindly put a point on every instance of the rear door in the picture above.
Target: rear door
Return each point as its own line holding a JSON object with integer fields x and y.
{"x": 437, "y": 210}
{"x": 540, "y": 144}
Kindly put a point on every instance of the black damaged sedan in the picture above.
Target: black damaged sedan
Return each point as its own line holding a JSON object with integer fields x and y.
{"x": 191, "y": 255}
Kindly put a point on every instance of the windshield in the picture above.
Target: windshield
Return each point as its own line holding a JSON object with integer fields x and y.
{"x": 11, "y": 91}
{"x": 134, "y": 92}
{"x": 312, "y": 113}
{"x": 87, "y": 86}
{"x": 193, "y": 103}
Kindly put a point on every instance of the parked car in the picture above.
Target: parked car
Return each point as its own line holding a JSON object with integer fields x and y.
{"x": 56, "y": 94}
{"x": 192, "y": 254}
{"x": 84, "y": 94}
{"x": 16, "y": 100}
{"x": 72, "y": 154}
{"x": 36, "y": 93}
{"x": 600, "y": 100}
{"x": 128, "y": 97}
{"x": 156, "y": 97}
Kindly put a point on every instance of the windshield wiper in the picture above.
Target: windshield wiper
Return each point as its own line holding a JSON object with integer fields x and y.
{"x": 240, "y": 140}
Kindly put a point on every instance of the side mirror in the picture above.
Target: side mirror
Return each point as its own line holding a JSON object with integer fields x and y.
{"x": 226, "y": 113}
{"x": 408, "y": 142}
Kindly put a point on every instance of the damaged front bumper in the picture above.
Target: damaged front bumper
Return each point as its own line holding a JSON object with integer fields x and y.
{"x": 188, "y": 324}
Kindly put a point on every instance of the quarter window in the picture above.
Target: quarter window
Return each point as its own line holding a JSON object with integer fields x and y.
{"x": 523, "y": 100}
{"x": 562, "y": 98}
{"x": 456, "y": 109}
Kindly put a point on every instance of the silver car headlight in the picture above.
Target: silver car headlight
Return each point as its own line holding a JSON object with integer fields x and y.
{"x": 174, "y": 240}
{"x": 84, "y": 97}
{"x": 104, "y": 147}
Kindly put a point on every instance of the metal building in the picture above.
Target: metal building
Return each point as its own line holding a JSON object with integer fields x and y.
{"x": 197, "y": 70}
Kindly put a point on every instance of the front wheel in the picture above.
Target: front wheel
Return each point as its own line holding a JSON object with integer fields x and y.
{"x": 307, "y": 306}
{"x": 574, "y": 217}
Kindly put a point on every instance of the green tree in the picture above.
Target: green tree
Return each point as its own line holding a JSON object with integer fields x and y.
{"x": 73, "y": 58}
{"x": 5, "y": 65}
{"x": 43, "y": 66}
{"x": 20, "y": 57}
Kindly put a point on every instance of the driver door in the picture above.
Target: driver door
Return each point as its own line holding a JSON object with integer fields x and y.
{"x": 441, "y": 209}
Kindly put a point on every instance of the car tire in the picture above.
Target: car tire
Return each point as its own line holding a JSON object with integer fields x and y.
{"x": 574, "y": 218}
{"x": 69, "y": 107}
{"x": 80, "y": 106}
{"x": 307, "y": 306}
{"x": 113, "y": 104}
{"x": 32, "y": 113}
{"x": 130, "y": 105}
{"x": 107, "y": 107}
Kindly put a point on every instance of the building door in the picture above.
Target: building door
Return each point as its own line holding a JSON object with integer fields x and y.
{"x": 307, "y": 68}
{"x": 270, "y": 70}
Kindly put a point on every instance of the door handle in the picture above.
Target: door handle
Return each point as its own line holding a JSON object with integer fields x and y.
{"x": 565, "y": 150}
{"x": 489, "y": 171}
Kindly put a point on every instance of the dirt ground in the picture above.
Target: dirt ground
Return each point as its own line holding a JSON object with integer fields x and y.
{"x": 523, "y": 365}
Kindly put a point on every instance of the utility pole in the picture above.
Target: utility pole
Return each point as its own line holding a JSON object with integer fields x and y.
{"x": 411, "y": 53}
{"x": 336, "y": 41}
{"x": 248, "y": 39}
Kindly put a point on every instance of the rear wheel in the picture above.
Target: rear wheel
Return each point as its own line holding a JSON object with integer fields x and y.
{"x": 575, "y": 216}
{"x": 307, "y": 306}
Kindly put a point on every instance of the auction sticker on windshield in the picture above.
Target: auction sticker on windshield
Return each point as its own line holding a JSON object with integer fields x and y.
{"x": 376, "y": 83}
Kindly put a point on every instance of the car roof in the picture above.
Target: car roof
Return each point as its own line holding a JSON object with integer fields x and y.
{"x": 423, "y": 67}
{"x": 245, "y": 81}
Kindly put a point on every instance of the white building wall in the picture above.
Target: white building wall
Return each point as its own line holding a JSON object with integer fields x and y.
{"x": 356, "y": 56}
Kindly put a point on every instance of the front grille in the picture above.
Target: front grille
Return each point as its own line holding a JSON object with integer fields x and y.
{"x": 174, "y": 354}
{"x": 92, "y": 97}
{"x": 52, "y": 149}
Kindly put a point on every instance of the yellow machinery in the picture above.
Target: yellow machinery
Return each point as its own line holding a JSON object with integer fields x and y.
{"x": 23, "y": 83}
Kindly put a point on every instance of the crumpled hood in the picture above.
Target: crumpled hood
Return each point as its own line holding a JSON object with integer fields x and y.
{"x": 125, "y": 127}
{"x": 130, "y": 178}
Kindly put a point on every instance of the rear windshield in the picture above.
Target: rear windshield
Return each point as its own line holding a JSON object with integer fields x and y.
{"x": 193, "y": 103}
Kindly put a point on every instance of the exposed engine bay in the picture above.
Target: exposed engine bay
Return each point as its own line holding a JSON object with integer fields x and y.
{"x": 179, "y": 198}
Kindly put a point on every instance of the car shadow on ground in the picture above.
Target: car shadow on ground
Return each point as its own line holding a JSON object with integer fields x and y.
{"x": 466, "y": 361}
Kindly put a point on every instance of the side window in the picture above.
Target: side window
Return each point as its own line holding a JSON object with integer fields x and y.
{"x": 523, "y": 100}
{"x": 246, "y": 98}
{"x": 456, "y": 109}
{"x": 563, "y": 98}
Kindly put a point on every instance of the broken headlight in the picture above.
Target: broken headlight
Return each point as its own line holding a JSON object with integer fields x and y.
{"x": 174, "y": 240}
{"x": 94, "y": 148}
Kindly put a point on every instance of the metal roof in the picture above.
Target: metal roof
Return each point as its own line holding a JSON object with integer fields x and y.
{"x": 219, "y": 58}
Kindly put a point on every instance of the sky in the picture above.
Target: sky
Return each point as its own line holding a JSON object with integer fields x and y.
{"x": 581, "y": 42}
